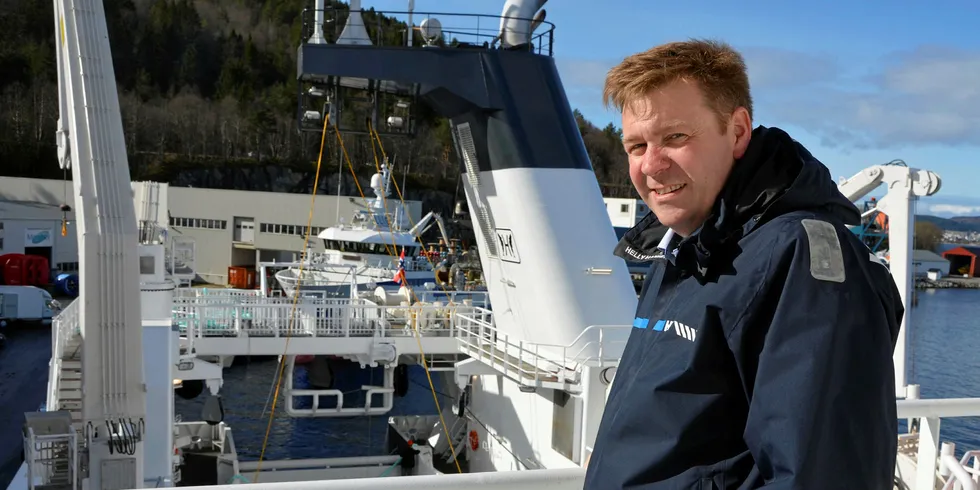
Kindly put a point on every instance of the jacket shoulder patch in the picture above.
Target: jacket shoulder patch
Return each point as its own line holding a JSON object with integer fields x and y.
{"x": 826, "y": 258}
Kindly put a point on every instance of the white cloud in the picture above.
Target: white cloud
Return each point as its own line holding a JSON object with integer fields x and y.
{"x": 777, "y": 69}
{"x": 954, "y": 210}
{"x": 927, "y": 96}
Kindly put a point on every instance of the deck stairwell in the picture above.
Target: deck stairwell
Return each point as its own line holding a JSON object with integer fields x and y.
{"x": 51, "y": 437}
{"x": 65, "y": 372}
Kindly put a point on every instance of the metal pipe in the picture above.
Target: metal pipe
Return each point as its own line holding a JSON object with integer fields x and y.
{"x": 960, "y": 475}
{"x": 939, "y": 408}
{"x": 318, "y": 463}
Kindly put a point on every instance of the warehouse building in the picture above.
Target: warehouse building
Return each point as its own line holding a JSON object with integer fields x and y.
{"x": 624, "y": 212}
{"x": 34, "y": 228}
{"x": 963, "y": 261}
{"x": 926, "y": 261}
{"x": 223, "y": 228}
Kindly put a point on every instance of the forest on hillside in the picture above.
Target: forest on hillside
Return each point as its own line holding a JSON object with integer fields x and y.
{"x": 211, "y": 84}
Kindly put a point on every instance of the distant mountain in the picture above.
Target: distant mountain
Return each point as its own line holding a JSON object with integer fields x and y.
{"x": 958, "y": 223}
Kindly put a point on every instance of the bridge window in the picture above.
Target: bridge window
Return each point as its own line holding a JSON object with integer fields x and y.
{"x": 367, "y": 248}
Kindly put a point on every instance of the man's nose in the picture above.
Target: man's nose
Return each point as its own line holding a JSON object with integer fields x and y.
{"x": 654, "y": 161}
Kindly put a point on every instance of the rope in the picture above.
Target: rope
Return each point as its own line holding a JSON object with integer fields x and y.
{"x": 388, "y": 471}
{"x": 292, "y": 312}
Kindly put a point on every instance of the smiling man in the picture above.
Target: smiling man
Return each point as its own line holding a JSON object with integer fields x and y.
{"x": 762, "y": 350}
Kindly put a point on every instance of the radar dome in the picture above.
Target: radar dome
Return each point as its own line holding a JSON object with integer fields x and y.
{"x": 430, "y": 28}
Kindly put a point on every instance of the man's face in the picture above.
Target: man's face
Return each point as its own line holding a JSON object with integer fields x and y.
{"x": 679, "y": 155}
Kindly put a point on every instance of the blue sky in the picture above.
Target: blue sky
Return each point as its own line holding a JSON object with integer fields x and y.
{"x": 858, "y": 83}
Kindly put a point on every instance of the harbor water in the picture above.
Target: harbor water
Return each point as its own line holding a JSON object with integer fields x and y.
{"x": 246, "y": 396}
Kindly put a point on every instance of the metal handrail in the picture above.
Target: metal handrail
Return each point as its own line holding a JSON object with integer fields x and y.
{"x": 539, "y": 42}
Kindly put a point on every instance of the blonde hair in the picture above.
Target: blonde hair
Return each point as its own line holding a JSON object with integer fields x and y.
{"x": 717, "y": 68}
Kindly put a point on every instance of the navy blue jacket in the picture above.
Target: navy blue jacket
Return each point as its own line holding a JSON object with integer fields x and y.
{"x": 762, "y": 351}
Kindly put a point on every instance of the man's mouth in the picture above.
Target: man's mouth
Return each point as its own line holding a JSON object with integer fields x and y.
{"x": 669, "y": 189}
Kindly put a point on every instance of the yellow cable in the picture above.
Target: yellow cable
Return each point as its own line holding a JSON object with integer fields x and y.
{"x": 374, "y": 134}
{"x": 384, "y": 200}
{"x": 292, "y": 312}
{"x": 415, "y": 327}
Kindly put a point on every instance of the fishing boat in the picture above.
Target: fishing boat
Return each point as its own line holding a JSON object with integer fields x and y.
{"x": 378, "y": 247}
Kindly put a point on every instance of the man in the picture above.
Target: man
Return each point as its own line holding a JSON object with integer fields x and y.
{"x": 762, "y": 349}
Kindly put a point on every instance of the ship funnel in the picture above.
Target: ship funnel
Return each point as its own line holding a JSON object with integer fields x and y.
{"x": 518, "y": 21}
{"x": 354, "y": 31}
{"x": 317, "y": 37}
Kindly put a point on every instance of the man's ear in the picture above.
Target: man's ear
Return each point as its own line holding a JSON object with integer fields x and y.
{"x": 741, "y": 131}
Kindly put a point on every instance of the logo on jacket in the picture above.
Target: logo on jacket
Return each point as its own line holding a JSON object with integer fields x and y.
{"x": 642, "y": 257}
{"x": 677, "y": 327}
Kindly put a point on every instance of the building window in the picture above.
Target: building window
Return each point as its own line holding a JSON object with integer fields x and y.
{"x": 147, "y": 265}
{"x": 624, "y": 208}
{"x": 68, "y": 266}
{"x": 282, "y": 229}
{"x": 200, "y": 223}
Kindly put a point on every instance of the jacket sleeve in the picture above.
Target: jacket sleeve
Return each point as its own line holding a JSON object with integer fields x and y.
{"x": 815, "y": 352}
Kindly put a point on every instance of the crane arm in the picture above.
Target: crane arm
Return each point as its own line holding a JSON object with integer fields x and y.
{"x": 921, "y": 182}
{"x": 905, "y": 185}
{"x": 91, "y": 143}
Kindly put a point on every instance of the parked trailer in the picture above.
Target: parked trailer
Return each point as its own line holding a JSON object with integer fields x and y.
{"x": 26, "y": 304}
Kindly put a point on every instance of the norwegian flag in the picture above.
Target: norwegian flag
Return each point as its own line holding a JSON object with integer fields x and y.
{"x": 400, "y": 274}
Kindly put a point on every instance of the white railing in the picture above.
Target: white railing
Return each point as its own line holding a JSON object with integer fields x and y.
{"x": 538, "y": 364}
{"x": 64, "y": 326}
{"x": 216, "y": 292}
{"x": 959, "y": 473}
{"x": 52, "y": 458}
{"x": 255, "y": 316}
{"x": 557, "y": 479}
{"x": 929, "y": 460}
{"x": 386, "y": 391}
{"x": 452, "y": 297}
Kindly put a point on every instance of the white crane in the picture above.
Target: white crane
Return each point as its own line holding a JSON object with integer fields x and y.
{"x": 904, "y": 185}
{"x": 91, "y": 144}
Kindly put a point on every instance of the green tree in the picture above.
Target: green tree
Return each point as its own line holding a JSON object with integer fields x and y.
{"x": 928, "y": 236}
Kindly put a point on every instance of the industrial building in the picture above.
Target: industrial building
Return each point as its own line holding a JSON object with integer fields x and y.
{"x": 34, "y": 228}
{"x": 224, "y": 228}
{"x": 963, "y": 261}
{"x": 624, "y": 212}
{"x": 924, "y": 261}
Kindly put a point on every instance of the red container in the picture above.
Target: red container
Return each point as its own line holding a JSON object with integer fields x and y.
{"x": 39, "y": 270}
{"x": 13, "y": 269}
{"x": 237, "y": 277}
